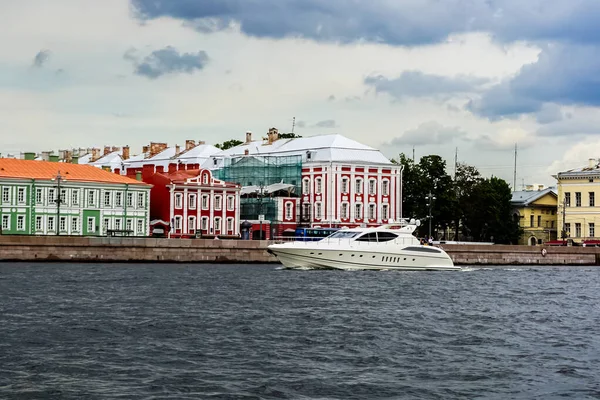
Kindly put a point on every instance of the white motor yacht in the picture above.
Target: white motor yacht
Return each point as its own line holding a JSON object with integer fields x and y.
{"x": 388, "y": 247}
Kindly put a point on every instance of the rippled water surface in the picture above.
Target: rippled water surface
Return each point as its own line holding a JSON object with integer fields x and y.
{"x": 101, "y": 331}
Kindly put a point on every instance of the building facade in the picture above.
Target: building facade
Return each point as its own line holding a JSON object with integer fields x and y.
{"x": 535, "y": 211}
{"x": 578, "y": 211}
{"x": 49, "y": 198}
{"x": 189, "y": 202}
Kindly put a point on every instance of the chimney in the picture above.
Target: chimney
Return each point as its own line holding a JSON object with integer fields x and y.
{"x": 106, "y": 168}
{"x": 246, "y": 152}
{"x": 29, "y": 156}
{"x": 145, "y": 149}
{"x": 115, "y": 148}
{"x": 177, "y": 150}
{"x": 160, "y": 169}
{"x": 95, "y": 154}
{"x": 46, "y": 155}
{"x": 592, "y": 162}
{"x": 272, "y": 135}
{"x": 138, "y": 176}
{"x": 106, "y": 150}
{"x": 190, "y": 144}
{"x": 75, "y": 160}
{"x": 147, "y": 171}
{"x": 53, "y": 158}
{"x": 125, "y": 154}
{"x": 172, "y": 167}
{"x": 156, "y": 148}
{"x": 201, "y": 142}
{"x": 248, "y": 137}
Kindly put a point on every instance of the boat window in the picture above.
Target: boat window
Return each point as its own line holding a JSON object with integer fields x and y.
{"x": 423, "y": 249}
{"x": 344, "y": 235}
{"x": 368, "y": 237}
{"x": 386, "y": 236}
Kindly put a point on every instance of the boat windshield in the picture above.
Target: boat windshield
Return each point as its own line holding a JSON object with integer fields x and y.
{"x": 344, "y": 235}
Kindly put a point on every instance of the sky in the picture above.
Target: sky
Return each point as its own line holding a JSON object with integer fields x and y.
{"x": 463, "y": 79}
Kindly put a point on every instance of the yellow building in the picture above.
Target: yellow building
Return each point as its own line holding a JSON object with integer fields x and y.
{"x": 535, "y": 210}
{"x": 578, "y": 214}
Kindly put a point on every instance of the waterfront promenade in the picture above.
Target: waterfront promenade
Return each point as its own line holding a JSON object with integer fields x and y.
{"x": 94, "y": 249}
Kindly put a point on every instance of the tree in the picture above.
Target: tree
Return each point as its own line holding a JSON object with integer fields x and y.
{"x": 228, "y": 144}
{"x": 287, "y": 136}
{"x": 465, "y": 180}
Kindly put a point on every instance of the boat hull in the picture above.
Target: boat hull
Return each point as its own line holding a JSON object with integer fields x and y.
{"x": 316, "y": 258}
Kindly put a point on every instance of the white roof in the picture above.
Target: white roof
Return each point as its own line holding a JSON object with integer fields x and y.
{"x": 198, "y": 154}
{"x": 324, "y": 148}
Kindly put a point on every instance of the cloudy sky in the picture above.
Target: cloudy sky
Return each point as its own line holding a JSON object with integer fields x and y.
{"x": 429, "y": 76}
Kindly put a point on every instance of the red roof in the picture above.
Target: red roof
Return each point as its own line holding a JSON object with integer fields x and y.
{"x": 46, "y": 170}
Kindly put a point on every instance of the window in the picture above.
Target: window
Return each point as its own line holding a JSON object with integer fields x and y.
{"x": 204, "y": 224}
{"x": 5, "y": 195}
{"x": 577, "y": 199}
{"x": 592, "y": 199}
{"x": 75, "y": 224}
{"x": 21, "y": 195}
{"x": 140, "y": 202}
{"x": 178, "y": 200}
{"x": 129, "y": 199}
{"x": 51, "y": 198}
{"x": 371, "y": 186}
{"x": 50, "y": 223}
{"x": 118, "y": 199}
{"x": 385, "y": 188}
{"x": 318, "y": 210}
{"x": 217, "y": 224}
{"x": 592, "y": 229}
{"x": 359, "y": 184}
{"x": 39, "y": 223}
{"x": 5, "y": 222}
{"x": 177, "y": 222}
{"x": 578, "y": 229}
{"x": 306, "y": 210}
{"x": 191, "y": 224}
{"x": 192, "y": 201}
{"x": 140, "y": 226}
{"x": 568, "y": 199}
{"x": 229, "y": 224}
{"x": 75, "y": 197}
{"x": 344, "y": 211}
{"x": 39, "y": 196}
{"x": 205, "y": 202}
{"x": 358, "y": 211}
{"x": 230, "y": 203}
{"x": 288, "y": 210}
{"x": 218, "y": 202}
{"x": 91, "y": 224}
{"x": 105, "y": 225}
{"x": 62, "y": 224}
{"x": 568, "y": 229}
{"x": 319, "y": 185}
{"x": 20, "y": 222}
{"x": 118, "y": 224}
{"x": 371, "y": 211}
{"x": 344, "y": 185}
{"x": 305, "y": 186}
{"x": 531, "y": 221}
{"x": 385, "y": 211}
{"x": 63, "y": 196}
{"x": 91, "y": 197}
{"x": 539, "y": 221}
{"x": 205, "y": 179}
{"x": 106, "y": 199}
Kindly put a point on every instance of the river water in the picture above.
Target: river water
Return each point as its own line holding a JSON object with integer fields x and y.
{"x": 157, "y": 331}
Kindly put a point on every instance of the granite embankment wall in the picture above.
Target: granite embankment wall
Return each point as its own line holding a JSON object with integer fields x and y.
{"x": 104, "y": 249}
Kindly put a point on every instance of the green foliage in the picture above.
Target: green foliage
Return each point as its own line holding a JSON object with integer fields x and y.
{"x": 228, "y": 144}
{"x": 287, "y": 136}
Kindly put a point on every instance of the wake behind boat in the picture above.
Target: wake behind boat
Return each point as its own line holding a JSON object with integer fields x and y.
{"x": 389, "y": 247}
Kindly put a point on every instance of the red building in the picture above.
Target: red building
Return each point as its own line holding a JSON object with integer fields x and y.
{"x": 186, "y": 201}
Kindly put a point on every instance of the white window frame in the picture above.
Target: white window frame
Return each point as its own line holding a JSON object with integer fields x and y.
{"x": 140, "y": 226}
{"x": 318, "y": 210}
{"x": 107, "y": 199}
{"x": 318, "y": 185}
{"x": 39, "y": 223}
{"x": 51, "y": 196}
{"x": 385, "y": 211}
{"x": 358, "y": 211}
{"x": 62, "y": 223}
{"x": 75, "y": 197}
{"x": 129, "y": 199}
{"x": 191, "y": 224}
{"x": 218, "y": 202}
{"x": 289, "y": 210}
{"x": 5, "y": 222}
{"x": 306, "y": 186}
{"x": 230, "y": 203}
{"x": 91, "y": 224}
{"x": 385, "y": 187}
{"x": 204, "y": 223}
{"x": 75, "y": 224}
{"x": 177, "y": 222}
{"x": 21, "y": 195}
{"x": 358, "y": 185}
{"x": 141, "y": 201}
{"x": 372, "y": 186}
{"x": 217, "y": 224}
{"x": 91, "y": 198}
{"x": 51, "y": 223}
{"x": 229, "y": 224}
{"x": 178, "y": 201}
{"x": 118, "y": 199}
{"x": 372, "y": 211}
{"x": 344, "y": 188}
{"x": 20, "y": 222}
{"x": 105, "y": 225}
{"x": 205, "y": 201}
{"x": 129, "y": 224}
{"x": 6, "y": 195}
{"x": 344, "y": 210}
{"x": 39, "y": 196}
{"x": 192, "y": 201}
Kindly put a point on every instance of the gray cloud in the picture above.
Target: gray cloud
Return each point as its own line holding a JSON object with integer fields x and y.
{"x": 41, "y": 58}
{"x": 430, "y": 132}
{"x": 418, "y": 84}
{"x": 406, "y": 23}
{"x": 327, "y": 124}
{"x": 166, "y": 61}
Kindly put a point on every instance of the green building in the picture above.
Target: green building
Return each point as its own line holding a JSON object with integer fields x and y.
{"x": 51, "y": 198}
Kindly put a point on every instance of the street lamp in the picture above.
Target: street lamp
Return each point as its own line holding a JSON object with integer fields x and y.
{"x": 430, "y": 200}
{"x": 58, "y": 179}
{"x": 259, "y": 198}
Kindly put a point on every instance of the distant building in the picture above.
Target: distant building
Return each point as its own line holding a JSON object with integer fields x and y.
{"x": 535, "y": 211}
{"x": 93, "y": 202}
{"x": 578, "y": 213}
